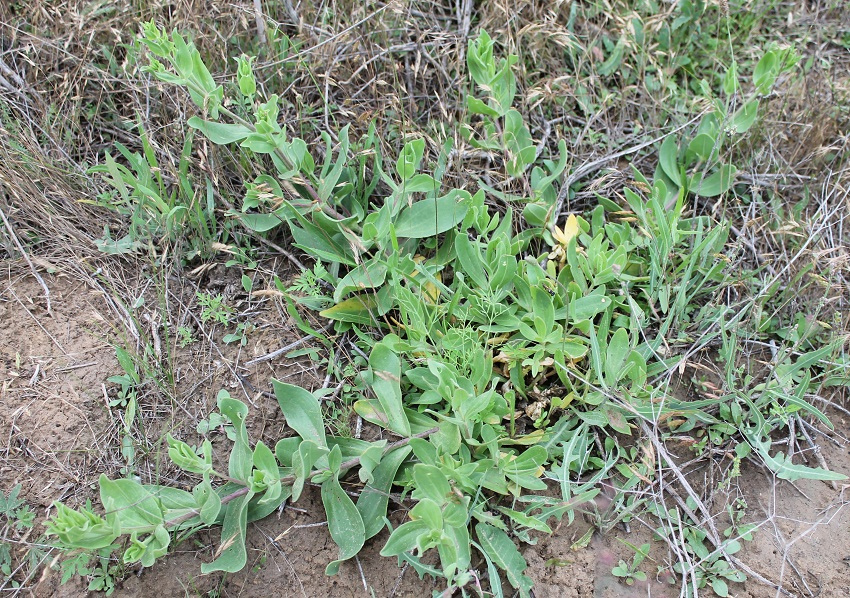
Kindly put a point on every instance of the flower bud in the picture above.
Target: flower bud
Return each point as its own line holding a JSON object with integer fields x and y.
{"x": 245, "y": 76}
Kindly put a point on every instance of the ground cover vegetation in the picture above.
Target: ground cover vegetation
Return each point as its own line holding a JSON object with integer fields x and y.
{"x": 524, "y": 332}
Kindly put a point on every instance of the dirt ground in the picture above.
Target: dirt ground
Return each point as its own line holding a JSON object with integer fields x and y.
{"x": 59, "y": 429}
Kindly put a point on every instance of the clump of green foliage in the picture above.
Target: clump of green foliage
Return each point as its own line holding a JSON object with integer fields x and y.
{"x": 509, "y": 353}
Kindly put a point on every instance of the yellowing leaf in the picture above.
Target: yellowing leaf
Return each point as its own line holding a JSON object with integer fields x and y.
{"x": 570, "y": 231}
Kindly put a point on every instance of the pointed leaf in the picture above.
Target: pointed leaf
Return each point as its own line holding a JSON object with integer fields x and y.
{"x": 373, "y": 499}
{"x": 432, "y": 216}
{"x": 502, "y": 551}
{"x": 344, "y": 522}
{"x": 668, "y": 157}
{"x": 219, "y": 133}
{"x": 715, "y": 184}
{"x": 233, "y": 556}
{"x": 386, "y": 383}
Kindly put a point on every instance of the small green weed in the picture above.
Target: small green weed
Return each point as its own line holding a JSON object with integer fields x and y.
{"x": 16, "y": 521}
{"x": 214, "y": 309}
{"x": 629, "y": 572}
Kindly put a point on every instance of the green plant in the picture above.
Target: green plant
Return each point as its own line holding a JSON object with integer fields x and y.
{"x": 16, "y": 522}
{"x": 214, "y": 308}
{"x": 217, "y": 421}
{"x": 497, "y": 347}
{"x": 128, "y": 381}
{"x": 243, "y": 329}
{"x": 158, "y": 210}
{"x": 184, "y": 336}
{"x": 629, "y": 571}
{"x": 127, "y": 399}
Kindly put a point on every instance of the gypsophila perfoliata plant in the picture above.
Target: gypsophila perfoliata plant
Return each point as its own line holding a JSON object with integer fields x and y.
{"x": 508, "y": 355}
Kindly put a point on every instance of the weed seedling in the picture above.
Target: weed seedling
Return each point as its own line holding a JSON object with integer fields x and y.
{"x": 629, "y": 572}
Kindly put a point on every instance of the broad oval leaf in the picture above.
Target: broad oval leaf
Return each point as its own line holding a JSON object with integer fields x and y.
{"x": 302, "y": 411}
{"x": 715, "y": 184}
{"x": 404, "y": 538}
{"x": 429, "y": 217}
{"x": 668, "y": 157}
{"x": 357, "y": 310}
{"x": 745, "y": 116}
{"x": 373, "y": 499}
{"x": 233, "y": 555}
{"x": 585, "y": 308}
{"x": 704, "y": 147}
{"x": 386, "y": 383}
{"x": 344, "y": 521}
{"x": 220, "y": 133}
{"x": 367, "y": 275}
{"x": 135, "y": 507}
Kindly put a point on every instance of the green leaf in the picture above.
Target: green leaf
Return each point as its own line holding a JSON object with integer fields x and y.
{"x": 618, "y": 349}
{"x": 526, "y": 520}
{"x": 409, "y": 158}
{"x": 404, "y": 538}
{"x": 233, "y": 555}
{"x": 637, "y": 371}
{"x": 744, "y": 118}
{"x": 386, "y": 383}
{"x": 302, "y": 411}
{"x": 266, "y": 474}
{"x": 785, "y": 469}
{"x": 344, "y": 522}
{"x": 517, "y": 139}
{"x": 184, "y": 457}
{"x": 261, "y": 223}
{"x": 476, "y": 106}
{"x": 419, "y": 183}
{"x": 502, "y": 551}
{"x": 328, "y": 183}
{"x": 368, "y": 275}
{"x": 430, "y": 482}
{"x": 704, "y": 147}
{"x": 127, "y": 363}
{"x": 303, "y": 460}
{"x": 358, "y": 310}
{"x": 429, "y": 512}
{"x": 720, "y": 587}
{"x": 766, "y": 71}
{"x": 668, "y": 157}
{"x": 317, "y": 242}
{"x": 135, "y": 507}
{"x": 432, "y": 216}
{"x": 469, "y": 255}
{"x": 585, "y": 308}
{"x": 220, "y": 133}
{"x": 373, "y": 499}
{"x": 208, "y": 501}
{"x": 594, "y": 418}
{"x": 715, "y": 184}
{"x": 369, "y": 460}
{"x": 241, "y": 456}
{"x": 285, "y": 449}
{"x": 613, "y": 61}
{"x": 479, "y": 59}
